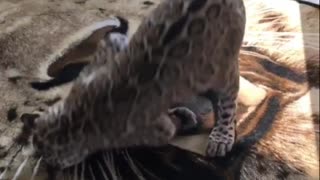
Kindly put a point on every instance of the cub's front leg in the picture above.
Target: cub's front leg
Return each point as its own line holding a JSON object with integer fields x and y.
{"x": 223, "y": 134}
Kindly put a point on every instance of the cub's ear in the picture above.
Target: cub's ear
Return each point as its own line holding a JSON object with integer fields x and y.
{"x": 76, "y": 54}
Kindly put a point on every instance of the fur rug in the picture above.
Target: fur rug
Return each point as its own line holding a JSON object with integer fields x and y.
{"x": 279, "y": 94}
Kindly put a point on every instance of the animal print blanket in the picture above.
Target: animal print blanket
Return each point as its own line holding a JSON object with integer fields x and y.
{"x": 278, "y": 126}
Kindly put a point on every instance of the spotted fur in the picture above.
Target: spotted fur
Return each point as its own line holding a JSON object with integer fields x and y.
{"x": 181, "y": 49}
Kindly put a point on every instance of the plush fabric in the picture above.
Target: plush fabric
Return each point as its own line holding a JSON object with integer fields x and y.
{"x": 278, "y": 126}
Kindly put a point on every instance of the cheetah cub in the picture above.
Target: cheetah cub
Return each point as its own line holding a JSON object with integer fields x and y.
{"x": 182, "y": 49}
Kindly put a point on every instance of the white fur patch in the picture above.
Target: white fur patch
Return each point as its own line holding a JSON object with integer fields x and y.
{"x": 113, "y": 21}
{"x": 12, "y": 73}
{"x": 119, "y": 40}
{"x": 88, "y": 79}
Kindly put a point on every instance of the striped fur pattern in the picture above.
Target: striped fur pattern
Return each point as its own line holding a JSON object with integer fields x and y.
{"x": 278, "y": 126}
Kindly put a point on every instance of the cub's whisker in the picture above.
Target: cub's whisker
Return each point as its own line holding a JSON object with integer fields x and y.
{"x": 105, "y": 176}
{"x": 36, "y": 168}
{"x": 4, "y": 173}
{"x": 75, "y": 173}
{"x": 20, "y": 168}
{"x": 133, "y": 166}
{"x": 83, "y": 166}
{"x": 109, "y": 161}
{"x": 13, "y": 158}
{"x": 91, "y": 173}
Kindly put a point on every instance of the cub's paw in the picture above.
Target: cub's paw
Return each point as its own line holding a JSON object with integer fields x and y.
{"x": 220, "y": 143}
{"x": 161, "y": 132}
{"x": 188, "y": 119}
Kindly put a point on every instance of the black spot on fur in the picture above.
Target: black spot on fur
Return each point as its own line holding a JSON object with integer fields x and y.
{"x": 225, "y": 115}
{"x": 148, "y": 3}
{"x": 225, "y": 132}
{"x": 225, "y": 123}
{"x": 51, "y": 102}
{"x": 196, "y": 5}
{"x": 102, "y": 10}
{"x": 28, "y": 119}
{"x": 27, "y": 103}
{"x": 28, "y": 124}
{"x": 261, "y": 169}
{"x": 196, "y": 27}
{"x": 3, "y": 154}
{"x": 12, "y": 114}
{"x": 175, "y": 29}
{"x": 14, "y": 79}
{"x": 229, "y": 106}
{"x": 179, "y": 50}
{"x": 213, "y": 12}
{"x": 41, "y": 109}
{"x": 283, "y": 174}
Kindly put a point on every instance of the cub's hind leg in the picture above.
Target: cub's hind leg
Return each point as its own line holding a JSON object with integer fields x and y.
{"x": 223, "y": 134}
